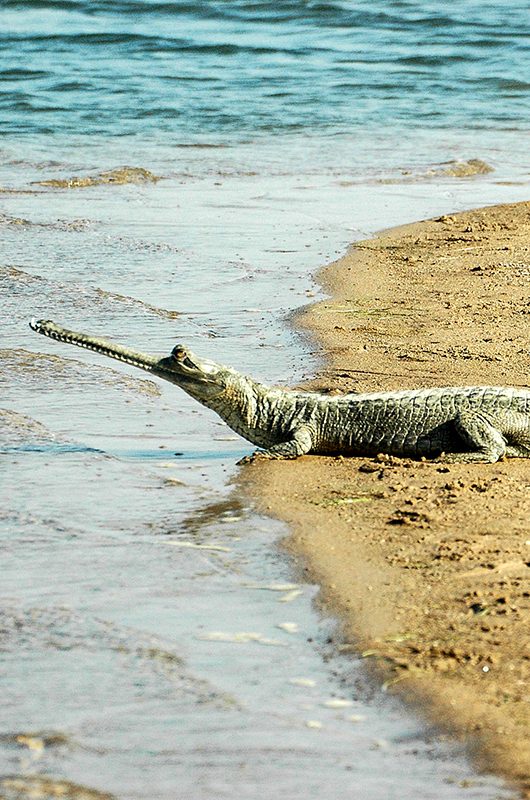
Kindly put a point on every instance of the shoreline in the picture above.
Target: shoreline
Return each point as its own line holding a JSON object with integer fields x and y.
{"x": 427, "y": 565}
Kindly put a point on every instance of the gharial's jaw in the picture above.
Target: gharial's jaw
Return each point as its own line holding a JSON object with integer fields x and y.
{"x": 182, "y": 367}
{"x": 103, "y": 346}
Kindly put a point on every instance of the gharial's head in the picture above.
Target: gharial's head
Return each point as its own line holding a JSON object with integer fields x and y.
{"x": 201, "y": 378}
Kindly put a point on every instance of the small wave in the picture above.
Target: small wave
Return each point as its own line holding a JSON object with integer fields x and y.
{"x": 433, "y": 60}
{"x": 22, "y": 222}
{"x": 44, "y": 291}
{"x": 115, "y": 177}
{"x": 49, "y": 627}
{"x": 160, "y": 312}
{"x": 18, "y": 104}
{"x": 58, "y": 5}
{"x": 36, "y": 740}
{"x": 20, "y": 433}
{"x": 451, "y": 169}
{"x": 200, "y": 146}
{"x": 22, "y": 74}
{"x": 511, "y": 85}
{"x": 464, "y": 169}
{"x": 45, "y": 371}
{"x": 18, "y": 787}
{"x": 6, "y": 219}
{"x": 72, "y": 86}
{"x": 49, "y": 449}
{"x": 16, "y": 428}
{"x": 147, "y": 43}
{"x": 334, "y": 13}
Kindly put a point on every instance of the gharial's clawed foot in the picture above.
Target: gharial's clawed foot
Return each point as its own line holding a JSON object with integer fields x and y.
{"x": 253, "y": 458}
{"x": 469, "y": 458}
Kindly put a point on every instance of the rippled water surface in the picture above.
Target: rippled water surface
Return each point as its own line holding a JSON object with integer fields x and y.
{"x": 240, "y": 68}
{"x": 154, "y": 640}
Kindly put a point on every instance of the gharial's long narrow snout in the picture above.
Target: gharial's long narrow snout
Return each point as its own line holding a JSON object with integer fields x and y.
{"x": 181, "y": 367}
{"x": 103, "y": 346}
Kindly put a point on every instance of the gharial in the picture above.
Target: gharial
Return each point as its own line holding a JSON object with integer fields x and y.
{"x": 476, "y": 423}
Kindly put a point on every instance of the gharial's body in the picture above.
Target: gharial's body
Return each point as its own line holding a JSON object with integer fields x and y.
{"x": 481, "y": 423}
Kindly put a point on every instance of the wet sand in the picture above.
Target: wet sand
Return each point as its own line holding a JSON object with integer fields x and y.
{"x": 427, "y": 565}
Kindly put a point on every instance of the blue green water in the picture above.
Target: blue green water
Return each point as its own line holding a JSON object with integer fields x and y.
{"x": 281, "y": 132}
{"x": 225, "y": 70}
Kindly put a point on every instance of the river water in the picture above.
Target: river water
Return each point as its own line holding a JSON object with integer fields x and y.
{"x": 154, "y": 640}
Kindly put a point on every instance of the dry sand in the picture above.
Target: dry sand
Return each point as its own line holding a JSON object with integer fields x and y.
{"x": 427, "y": 565}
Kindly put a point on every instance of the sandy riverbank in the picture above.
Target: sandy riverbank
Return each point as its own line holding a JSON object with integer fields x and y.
{"x": 427, "y": 565}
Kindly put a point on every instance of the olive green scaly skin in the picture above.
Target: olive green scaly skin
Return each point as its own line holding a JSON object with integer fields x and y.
{"x": 468, "y": 423}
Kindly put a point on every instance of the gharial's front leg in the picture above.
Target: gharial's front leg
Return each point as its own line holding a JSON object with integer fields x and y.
{"x": 485, "y": 442}
{"x": 300, "y": 443}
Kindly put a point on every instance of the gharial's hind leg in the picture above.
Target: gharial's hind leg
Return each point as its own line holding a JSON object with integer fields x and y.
{"x": 518, "y": 450}
{"x": 485, "y": 442}
{"x": 517, "y": 432}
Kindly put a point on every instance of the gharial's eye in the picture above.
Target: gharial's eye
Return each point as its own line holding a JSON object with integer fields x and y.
{"x": 179, "y": 353}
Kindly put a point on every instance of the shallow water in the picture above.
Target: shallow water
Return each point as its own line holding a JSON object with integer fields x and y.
{"x": 148, "y": 619}
{"x": 154, "y": 640}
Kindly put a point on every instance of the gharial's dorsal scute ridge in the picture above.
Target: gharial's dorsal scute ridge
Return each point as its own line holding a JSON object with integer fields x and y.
{"x": 466, "y": 423}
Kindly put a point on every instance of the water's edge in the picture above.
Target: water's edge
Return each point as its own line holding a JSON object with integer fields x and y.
{"x": 425, "y": 700}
